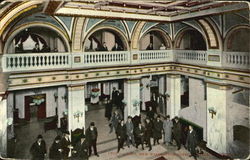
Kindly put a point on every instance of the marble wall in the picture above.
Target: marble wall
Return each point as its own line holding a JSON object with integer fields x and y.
{"x": 145, "y": 91}
{"x": 216, "y": 125}
{"x": 237, "y": 114}
{"x": 51, "y": 104}
{"x": 197, "y": 110}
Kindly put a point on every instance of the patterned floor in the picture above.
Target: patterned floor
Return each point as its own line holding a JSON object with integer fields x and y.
{"x": 107, "y": 143}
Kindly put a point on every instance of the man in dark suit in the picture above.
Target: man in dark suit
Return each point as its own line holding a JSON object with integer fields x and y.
{"x": 38, "y": 149}
{"x": 150, "y": 114}
{"x": 121, "y": 135}
{"x": 91, "y": 135}
{"x": 139, "y": 134}
{"x": 81, "y": 150}
{"x": 191, "y": 142}
{"x": 148, "y": 132}
{"x": 66, "y": 145}
{"x": 55, "y": 151}
{"x": 114, "y": 95}
{"x": 115, "y": 120}
{"x": 177, "y": 132}
{"x": 158, "y": 130}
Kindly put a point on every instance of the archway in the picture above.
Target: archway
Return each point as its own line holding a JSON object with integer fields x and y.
{"x": 46, "y": 39}
{"x": 190, "y": 39}
{"x": 105, "y": 39}
{"x": 158, "y": 38}
{"x": 238, "y": 39}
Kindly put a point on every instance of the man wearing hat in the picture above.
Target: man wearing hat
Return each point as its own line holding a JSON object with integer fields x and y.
{"x": 91, "y": 135}
{"x": 55, "y": 151}
{"x": 66, "y": 145}
{"x": 177, "y": 132}
{"x": 38, "y": 149}
{"x": 158, "y": 130}
{"x": 81, "y": 150}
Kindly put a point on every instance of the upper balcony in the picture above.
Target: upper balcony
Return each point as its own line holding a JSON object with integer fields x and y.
{"x": 67, "y": 61}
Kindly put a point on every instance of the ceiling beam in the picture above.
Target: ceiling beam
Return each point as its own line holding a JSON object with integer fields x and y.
{"x": 212, "y": 11}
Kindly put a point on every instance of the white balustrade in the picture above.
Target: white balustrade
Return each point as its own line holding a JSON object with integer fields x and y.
{"x": 43, "y": 61}
{"x": 155, "y": 56}
{"x": 239, "y": 60}
{"x": 191, "y": 57}
{"x": 92, "y": 59}
{"x": 23, "y": 62}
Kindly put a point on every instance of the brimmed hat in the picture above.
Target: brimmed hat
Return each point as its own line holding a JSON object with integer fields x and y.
{"x": 58, "y": 138}
{"x": 83, "y": 136}
{"x": 39, "y": 136}
{"x": 92, "y": 124}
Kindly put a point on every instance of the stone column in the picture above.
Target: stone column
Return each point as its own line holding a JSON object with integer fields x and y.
{"x": 76, "y": 107}
{"x": 61, "y": 102}
{"x": 132, "y": 97}
{"x": 216, "y": 117}
{"x": 3, "y": 126}
{"x": 174, "y": 95}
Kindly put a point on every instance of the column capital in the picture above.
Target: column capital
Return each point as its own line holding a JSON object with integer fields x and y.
{"x": 133, "y": 78}
{"x": 217, "y": 85}
{"x": 173, "y": 75}
{"x": 76, "y": 86}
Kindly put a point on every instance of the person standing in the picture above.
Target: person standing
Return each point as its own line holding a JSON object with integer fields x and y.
{"x": 192, "y": 142}
{"x": 130, "y": 132}
{"x": 117, "y": 47}
{"x": 66, "y": 145}
{"x": 150, "y": 114}
{"x": 148, "y": 132}
{"x": 177, "y": 132}
{"x": 150, "y": 46}
{"x": 116, "y": 118}
{"x": 81, "y": 149}
{"x": 139, "y": 134}
{"x": 91, "y": 135}
{"x": 38, "y": 149}
{"x": 167, "y": 127}
{"x": 121, "y": 135}
{"x": 55, "y": 151}
{"x": 108, "y": 109}
{"x": 158, "y": 129}
{"x": 36, "y": 48}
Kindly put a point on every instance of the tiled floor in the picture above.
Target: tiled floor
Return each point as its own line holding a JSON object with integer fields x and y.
{"x": 107, "y": 143}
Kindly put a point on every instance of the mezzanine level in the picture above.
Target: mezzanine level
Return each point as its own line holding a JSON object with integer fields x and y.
{"x": 53, "y": 61}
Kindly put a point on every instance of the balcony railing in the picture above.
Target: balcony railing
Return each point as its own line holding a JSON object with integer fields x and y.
{"x": 48, "y": 61}
{"x": 156, "y": 56}
{"x": 191, "y": 57}
{"x": 240, "y": 60}
{"x": 23, "y": 62}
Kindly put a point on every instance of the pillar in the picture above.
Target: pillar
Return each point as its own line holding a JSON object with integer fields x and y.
{"x": 216, "y": 117}
{"x": 173, "y": 95}
{"x": 145, "y": 91}
{"x": 76, "y": 107}
{"x": 61, "y": 102}
{"x": 3, "y": 127}
{"x": 132, "y": 97}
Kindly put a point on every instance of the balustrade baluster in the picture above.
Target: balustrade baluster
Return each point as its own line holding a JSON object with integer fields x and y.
{"x": 20, "y": 62}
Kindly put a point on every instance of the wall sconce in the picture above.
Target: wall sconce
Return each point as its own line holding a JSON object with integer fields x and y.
{"x": 77, "y": 115}
{"x": 55, "y": 96}
{"x": 65, "y": 97}
{"x": 4, "y": 95}
{"x": 212, "y": 111}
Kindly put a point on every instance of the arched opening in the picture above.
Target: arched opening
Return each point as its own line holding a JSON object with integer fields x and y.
{"x": 154, "y": 40}
{"x": 37, "y": 40}
{"x": 105, "y": 40}
{"x": 192, "y": 40}
{"x": 239, "y": 40}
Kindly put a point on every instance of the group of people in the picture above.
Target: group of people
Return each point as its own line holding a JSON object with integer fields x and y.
{"x": 62, "y": 148}
{"x": 136, "y": 133}
{"x": 103, "y": 47}
{"x": 150, "y": 47}
{"x": 45, "y": 48}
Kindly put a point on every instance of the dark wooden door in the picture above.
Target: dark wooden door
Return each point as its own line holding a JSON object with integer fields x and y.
{"x": 27, "y": 101}
{"x": 41, "y": 112}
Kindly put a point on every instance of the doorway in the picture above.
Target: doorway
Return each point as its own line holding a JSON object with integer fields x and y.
{"x": 35, "y": 107}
